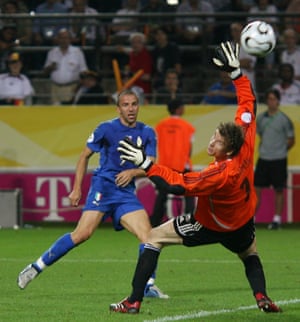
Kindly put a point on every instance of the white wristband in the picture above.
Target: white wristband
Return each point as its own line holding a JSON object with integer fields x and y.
{"x": 236, "y": 73}
{"x": 146, "y": 164}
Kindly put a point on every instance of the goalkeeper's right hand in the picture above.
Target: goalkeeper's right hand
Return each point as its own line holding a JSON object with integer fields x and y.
{"x": 134, "y": 152}
{"x": 226, "y": 58}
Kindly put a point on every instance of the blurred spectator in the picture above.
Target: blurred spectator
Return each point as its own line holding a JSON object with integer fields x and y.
{"x": 8, "y": 35}
{"x": 170, "y": 90}
{"x": 22, "y": 7}
{"x": 89, "y": 90}
{"x": 64, "y": 63}
{"x": 281, "y": 5}
{"x": 221, "y": 5}
{"x": 195, "y": 30}
{"x": 222, "y": 92}
{"x": 23, "y": 26}
{"x": 140, "y": 58}
{"x": 247, "y": 62}
{"x": 123, "y": 27}
{"x": 291, "y": 53}
{"x": 15, "y": 87}
{"x": 293, "y": 22}
{"x": 150, "y": 24}
{"x": 288, "y": 87}
{"x": 165, "y": 55}
{"x": 45, "y": 29}
{"x": 263, "y": 7}
{"x": 85, "y": 31}
{"x": 243, "y": 5}
{"x": 222, "y": 27}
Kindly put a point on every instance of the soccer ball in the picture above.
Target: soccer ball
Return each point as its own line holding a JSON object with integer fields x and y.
{"x": 258, "y": 38}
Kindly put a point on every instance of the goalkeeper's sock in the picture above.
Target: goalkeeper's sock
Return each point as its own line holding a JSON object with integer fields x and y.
{"x": 61, "y": 247}
{"x": 145, "y": 267}
{"x": 255, "y": 274}
{"x": 151, "y": 280}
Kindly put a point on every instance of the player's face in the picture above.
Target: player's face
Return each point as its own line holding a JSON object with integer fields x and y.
{"x": 217, "y": 146}
{"x": 128, "y": 109}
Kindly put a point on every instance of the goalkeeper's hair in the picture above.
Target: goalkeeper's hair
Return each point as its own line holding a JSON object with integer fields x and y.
{"x": 233, "y": 135}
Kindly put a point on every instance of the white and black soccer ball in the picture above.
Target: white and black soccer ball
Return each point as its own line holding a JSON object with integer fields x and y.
{"x": 258, "y": 38}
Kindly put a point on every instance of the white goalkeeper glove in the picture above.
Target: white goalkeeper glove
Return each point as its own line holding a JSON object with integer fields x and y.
{"x": 134, "y": 153}
{"x": 227, "y": 58}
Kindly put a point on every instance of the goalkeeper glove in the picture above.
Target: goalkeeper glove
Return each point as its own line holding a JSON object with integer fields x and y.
{"x": 134, "y": 153}
{"x": 226, "y": 58}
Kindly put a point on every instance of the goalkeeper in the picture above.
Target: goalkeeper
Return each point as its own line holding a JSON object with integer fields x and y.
{"x": 225, "y": 191}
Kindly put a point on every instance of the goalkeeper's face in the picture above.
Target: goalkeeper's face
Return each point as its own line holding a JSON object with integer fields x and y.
{"x": 217, "y": 147}
{"x": 128, "y": 109}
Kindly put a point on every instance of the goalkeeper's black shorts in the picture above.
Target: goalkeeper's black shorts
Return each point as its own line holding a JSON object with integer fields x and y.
{"x": 194, "y": 234}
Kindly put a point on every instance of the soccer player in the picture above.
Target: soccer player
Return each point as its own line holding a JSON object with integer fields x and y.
{"x": 175, "y": 156}
{"x": 112, "y": 190}
{"x": 225, "y": 191}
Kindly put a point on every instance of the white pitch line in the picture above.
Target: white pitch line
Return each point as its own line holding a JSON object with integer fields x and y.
{"x": 217, "y": 312}
{"x": 133, "y": 260}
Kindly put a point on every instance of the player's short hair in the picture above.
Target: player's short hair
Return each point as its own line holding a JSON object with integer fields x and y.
{"x": 126, "y": 92}
{"x": 233, "y": 135}
{"x": 174, "y": 104}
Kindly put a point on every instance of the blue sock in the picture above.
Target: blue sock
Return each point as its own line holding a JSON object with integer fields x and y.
{"x": 63, "y": 245}
{"x": 141, "y": 249}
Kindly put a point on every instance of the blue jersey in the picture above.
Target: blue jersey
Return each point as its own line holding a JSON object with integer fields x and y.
{"x": 105, "y": 140}
{"x": 104, "y": 195}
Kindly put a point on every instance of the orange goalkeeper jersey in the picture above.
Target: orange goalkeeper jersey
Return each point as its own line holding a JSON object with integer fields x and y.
{"x": 225, "y": 190}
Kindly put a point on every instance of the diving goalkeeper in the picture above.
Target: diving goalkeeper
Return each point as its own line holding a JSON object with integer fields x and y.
{"x": 225, "y": 191}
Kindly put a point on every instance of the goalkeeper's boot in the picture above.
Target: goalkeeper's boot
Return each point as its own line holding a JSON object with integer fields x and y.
{"x": 265, "y": 304}
{"x": 153, "y": 291}
{"x": 126, "y": 307}
{"x": 27, "y": 275}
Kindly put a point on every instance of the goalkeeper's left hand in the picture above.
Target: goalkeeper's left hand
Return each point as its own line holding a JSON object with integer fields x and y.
{"x": 226, "y": 58}
{"x": 134, "y": 152}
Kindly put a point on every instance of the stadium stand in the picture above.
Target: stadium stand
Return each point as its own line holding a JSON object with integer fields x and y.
{"x": 197, "y": 73}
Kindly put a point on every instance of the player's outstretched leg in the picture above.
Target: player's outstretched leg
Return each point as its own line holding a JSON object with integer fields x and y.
{"x": 145, "y": 266}
{"x": 256, "y": 277}
{"x": 55, "y": 252}
{"x": 151, "y": 290}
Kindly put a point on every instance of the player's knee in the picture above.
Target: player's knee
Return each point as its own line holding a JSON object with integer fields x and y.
{"x": 251, "y": 250}
{"x": 81, "y": 236}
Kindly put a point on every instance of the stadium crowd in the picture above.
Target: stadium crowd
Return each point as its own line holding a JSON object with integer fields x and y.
{"x": 103, "y": 30}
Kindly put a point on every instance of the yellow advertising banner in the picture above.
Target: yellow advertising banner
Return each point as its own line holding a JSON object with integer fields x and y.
{"x": 53, "y": 136}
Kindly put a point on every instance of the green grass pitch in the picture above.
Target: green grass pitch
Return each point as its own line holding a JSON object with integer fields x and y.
{"x": 204, "y": 283}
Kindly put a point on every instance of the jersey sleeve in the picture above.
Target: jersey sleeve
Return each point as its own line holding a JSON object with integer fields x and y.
{"x": 194, "y": 183}
{"x": 95, "y": 138}
{"x": 246, "y": 110}
{"x": 246, "y": 115}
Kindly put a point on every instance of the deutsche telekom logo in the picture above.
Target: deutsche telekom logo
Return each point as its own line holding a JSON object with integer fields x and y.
{"x": 52, "y": 193}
